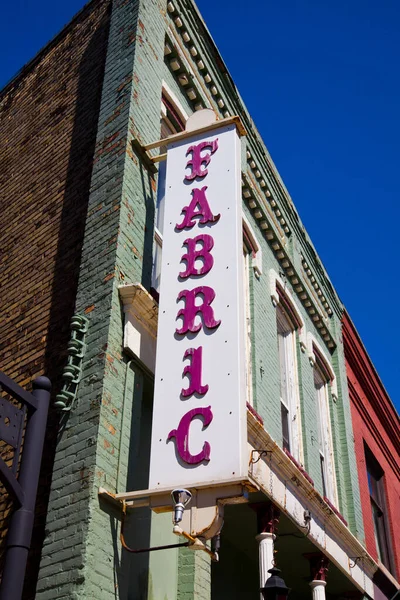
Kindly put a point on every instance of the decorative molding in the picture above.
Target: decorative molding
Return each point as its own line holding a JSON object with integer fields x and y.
{"x": 189, "y": 51}
{"x": 335, "y": 510}
{"x": 166, "y": 90}
{"x": 275, "y": 279}
{"x": 140, "y": 327}
{"x": 368, "y": 379}
{"x": 314, "y": 283}
{"x": 298, "y": 465}
{"x": 375, "y": 432}
{"x": 311, "y": 343}
{"x": 267, "y": 517}
{"x": 258, "y": 209}
{"x": 319, "y": 565}
{"x": 256, "y": 201}
{"x": 183, "y": 75}
{"x": 261, "y": 167}
{"x": 209, "y": 85}
{"x": 264, "y": 190}
{"x": 136, "y": 299}
{"x": 256, "y": 252}
{"x": 255, "y": 414}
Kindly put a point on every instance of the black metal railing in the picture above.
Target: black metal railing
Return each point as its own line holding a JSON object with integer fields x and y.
{"x": 23, "y": 418}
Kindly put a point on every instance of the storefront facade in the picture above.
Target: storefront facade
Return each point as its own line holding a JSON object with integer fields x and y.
{"x": 295, "y": 498}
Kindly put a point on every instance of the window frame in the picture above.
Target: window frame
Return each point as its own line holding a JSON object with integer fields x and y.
{"x": 284, "y": 302}
{"x": 289, "y": 384}
{"x": 327, "y": 389}
{"x": 253, "y": 245}
{"x": 247, "y": 254}
{"x": 377, "y": 495}
{"x": 174, "y": 117}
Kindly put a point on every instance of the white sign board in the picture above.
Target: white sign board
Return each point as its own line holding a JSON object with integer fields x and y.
{"x": 199, "y": 416}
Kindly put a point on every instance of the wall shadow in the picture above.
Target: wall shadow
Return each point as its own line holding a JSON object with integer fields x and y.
{"x": 148, "y": 243}
{"x": 67, "y": 262}
{"x": 131, "y": 570}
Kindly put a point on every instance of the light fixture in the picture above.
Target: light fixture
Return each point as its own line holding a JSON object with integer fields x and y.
{"x": 275, "y": 588}
{"x": 181, "y": 499}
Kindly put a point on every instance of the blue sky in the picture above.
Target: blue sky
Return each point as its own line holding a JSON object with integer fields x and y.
{"x": 321, "y": 80}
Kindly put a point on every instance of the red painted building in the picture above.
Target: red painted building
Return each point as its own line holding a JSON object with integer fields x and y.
{"x": 376, "y": 426}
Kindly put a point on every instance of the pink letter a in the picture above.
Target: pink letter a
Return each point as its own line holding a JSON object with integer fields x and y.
{"x": 204, "y": 211}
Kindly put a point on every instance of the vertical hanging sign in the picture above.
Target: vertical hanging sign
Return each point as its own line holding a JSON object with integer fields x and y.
{"x": 199, "y": 413}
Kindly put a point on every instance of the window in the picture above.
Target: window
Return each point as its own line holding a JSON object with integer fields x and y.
{"x": 378, "y": 507}
{"x": 290, "y": 331}
{"x": 158, "y": 228}
{"x": 252, "y": 257}
{"x": 172, "y": 121}
{"x": 286, "y": 336}
{"x": 247, "y": 326}
{"x": 322, "y": 379}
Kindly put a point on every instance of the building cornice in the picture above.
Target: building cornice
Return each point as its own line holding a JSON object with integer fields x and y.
{"x": 367, "y": 377}
{"x": 370, "y": 422}
{"x": 271, "y": 230}
{"x": 219, "y": 92}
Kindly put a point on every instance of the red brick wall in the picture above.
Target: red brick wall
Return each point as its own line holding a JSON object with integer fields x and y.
{"x": 48, "y": 115}
{"x": 376, "y": 423}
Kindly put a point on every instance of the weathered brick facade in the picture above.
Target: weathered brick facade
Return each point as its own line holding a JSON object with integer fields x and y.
{"x": 49, "y": 116}
{"x": 80, "y": 197}
{"x": 376, "y": 425}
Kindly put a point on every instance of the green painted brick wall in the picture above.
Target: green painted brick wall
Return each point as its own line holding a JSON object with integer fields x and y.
{"x": 116, "y": 250}
{"x": 172, "y": 84}
{"x": 133, "y": 262}
{"x": 194, "y": 575}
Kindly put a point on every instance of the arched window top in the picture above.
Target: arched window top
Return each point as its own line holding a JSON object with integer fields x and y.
{"x": 281, "y": 295}
{"x": 252, "y": 244}
{"x": 172, "y": 120}
{"x": 171, "y": 104}
{"x": 317, "y": 356}
{"x": 287, "y": 303}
